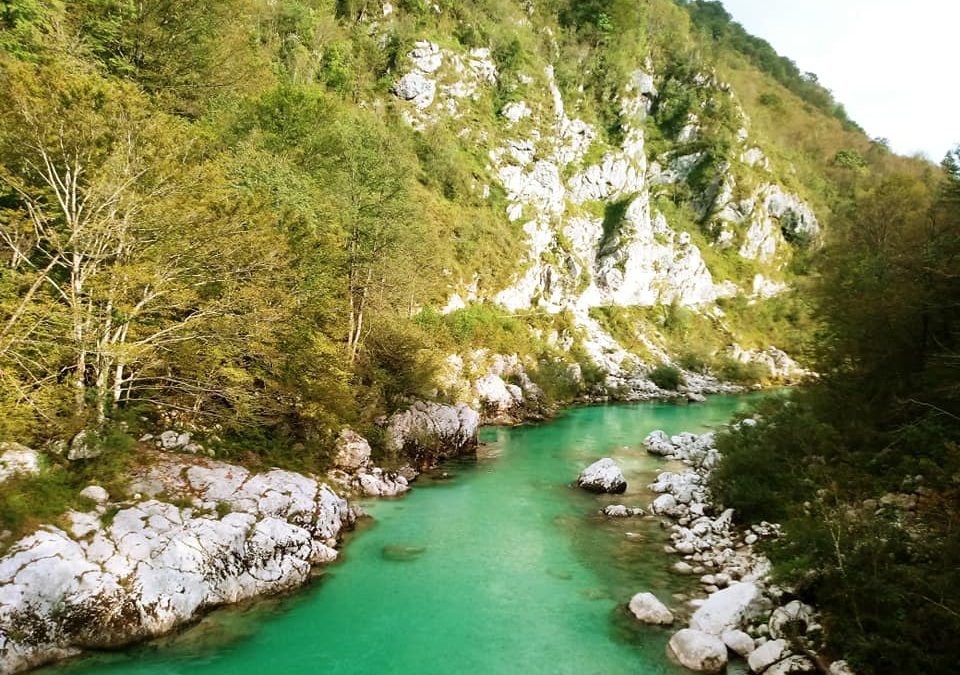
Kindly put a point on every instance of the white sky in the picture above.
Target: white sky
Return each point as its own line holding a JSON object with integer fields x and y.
{"x": 892, "y": 63}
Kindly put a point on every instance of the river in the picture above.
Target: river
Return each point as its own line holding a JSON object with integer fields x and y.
{"x": 499, "y": 567}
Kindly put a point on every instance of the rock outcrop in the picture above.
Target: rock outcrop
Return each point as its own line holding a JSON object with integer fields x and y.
{"x": 132, "y": 570}
{"x": 432, "y": 431}
{"x": 18, "y": 460}
{"x": 603, "y": 476}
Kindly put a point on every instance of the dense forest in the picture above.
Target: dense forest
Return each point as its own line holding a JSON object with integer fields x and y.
{"x": 863, "y": 466}
{"x": 216, "y": 214}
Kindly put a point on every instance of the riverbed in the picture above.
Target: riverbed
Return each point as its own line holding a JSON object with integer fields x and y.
{"x": 494, "y": 565}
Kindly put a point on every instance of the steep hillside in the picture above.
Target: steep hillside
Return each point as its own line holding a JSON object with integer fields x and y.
{"x": 270, "y": 220}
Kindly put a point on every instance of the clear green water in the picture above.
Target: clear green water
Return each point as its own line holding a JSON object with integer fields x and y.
{"x": 502, "y": 567}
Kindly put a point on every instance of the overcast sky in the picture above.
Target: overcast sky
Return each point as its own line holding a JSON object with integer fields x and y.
{"x": 892, "y": 63}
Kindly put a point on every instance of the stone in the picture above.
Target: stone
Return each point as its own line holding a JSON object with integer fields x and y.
{"x": 727, "y": 609}
{"x": 83, "y": 447}
{"x": 417, "y": 88}
{"x": 791, "y": 620}
{"x": 621, "y": 511}
{"x": 155, "y": 565}
{"x": 380, "y": 484}
{"x": 169, "y": 440}
{"x": 648, "y": 609}
{"x": 658, "y": 443}
{"x": 767, "y": 654}
{"x": 739, "y": 642}
{"x": 433, "y": 430}
{"x": 96, "y": 494}
{"x": 18, "y": 460}
{"x": 698, "y": 651}
{"x": 352, "y": 450}
{"x": 603, "y": 476}
{"x": 840, "y": 668}
{"x": 495, "y": 394}
{"x": 681, "y": 567}
{"x": 663, "y": 505}
{"x": 793, "y": 665}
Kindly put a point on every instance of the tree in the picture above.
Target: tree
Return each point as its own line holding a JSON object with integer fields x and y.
{"x": 135, "y": 247}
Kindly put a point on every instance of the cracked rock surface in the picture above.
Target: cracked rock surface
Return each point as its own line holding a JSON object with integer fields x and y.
{"x": 127, "y": 571}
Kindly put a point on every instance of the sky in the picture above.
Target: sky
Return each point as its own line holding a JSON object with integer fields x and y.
{"x": 892, "y": 63}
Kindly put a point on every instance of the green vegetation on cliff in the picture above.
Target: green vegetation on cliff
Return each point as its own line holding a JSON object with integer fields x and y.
{"x": 222, "y": 212}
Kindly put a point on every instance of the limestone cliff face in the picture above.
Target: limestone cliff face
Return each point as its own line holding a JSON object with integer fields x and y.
{"x": 594, "y": 234}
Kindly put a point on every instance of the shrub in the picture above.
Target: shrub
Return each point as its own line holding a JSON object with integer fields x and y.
{"x": 667, "y": 377}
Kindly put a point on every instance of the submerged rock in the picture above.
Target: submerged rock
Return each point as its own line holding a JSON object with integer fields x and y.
{"x": 698, "y": 651}
{"x": 603, "y": 476}
{"x": 621, "y": 511}
{"x": 648, "y": 609}
{"x": 403, "y": 552}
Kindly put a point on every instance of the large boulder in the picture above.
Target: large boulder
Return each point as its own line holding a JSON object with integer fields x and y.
{"x": 738, "y": 642}
{"x": 767, "y": 654}
{"x": 101, "y": 584}
{"x": 352, "y": 450}
{"x": 84, "y": 446}
{"x": 648, "y": 609}
{"x": 497, "y": 396}
{"x": 432, "y": 431}
{"x": 603, "y": 476}
{"x": 727, "y": 609}
{"x": 698, "y": 651}
{"x": 791, "y": 620}
{"x": 16, "y": 459}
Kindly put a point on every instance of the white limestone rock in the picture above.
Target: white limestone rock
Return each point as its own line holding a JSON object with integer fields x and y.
{"x": 516, "y": 111}
{"x": 727, "y": 609}
{"x": 433, "y": 429}
{"x": 739, "y": 642}
{"x": 603, "y": 476}
{"x": 379, "y": 483}
{"x": 96, "y": 494}
{"x": 658, "y": 443}
{"x": 791, "y": 620}
{"x": 83, "y": 446}
{"x": 767, "y": 654}
{"x": 16, "y": 459}
{"x": 698, "y": 651}
{"x": 416, "y": 87}
{"x": 621, "y": 511}
{"x": 496, "y": 395}
{"x": 155, "y": 566}
{"x": 840, "y": 668}
{"x": 352, "y": 450}
{"x": 793, "y": 665}
{"x": 648, "y": 609}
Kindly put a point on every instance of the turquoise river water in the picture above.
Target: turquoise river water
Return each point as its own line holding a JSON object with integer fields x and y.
{"x": 499, "y": 567}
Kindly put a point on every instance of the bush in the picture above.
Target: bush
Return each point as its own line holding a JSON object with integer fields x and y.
{"x": 667, "y": 377}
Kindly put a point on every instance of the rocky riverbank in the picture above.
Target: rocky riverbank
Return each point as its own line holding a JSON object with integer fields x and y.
{"x": 189, "y": 534}
{"x": 743, "y": 614}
